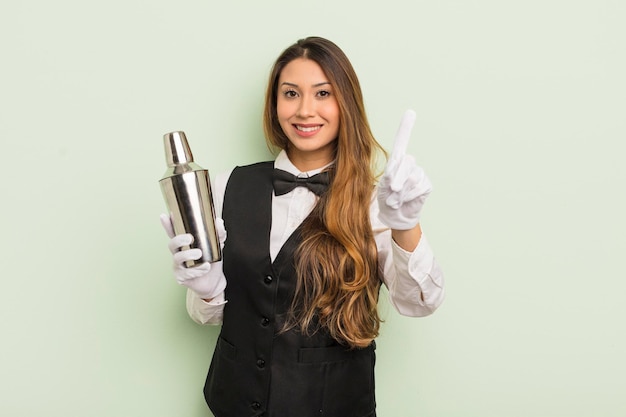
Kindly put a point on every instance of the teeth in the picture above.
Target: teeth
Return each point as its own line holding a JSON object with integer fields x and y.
{"x": 307, "y": 129}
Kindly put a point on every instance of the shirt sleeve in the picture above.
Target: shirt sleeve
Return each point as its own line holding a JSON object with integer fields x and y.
{"x": 414, "y": 279}
{"x": 203, "y": 312}
{"x": 200, "y": 311}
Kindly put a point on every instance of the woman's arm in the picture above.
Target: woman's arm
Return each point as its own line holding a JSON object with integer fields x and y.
{"x": 210, "y": 311}
{"x": 409, "y": 268}
{"x": 407, "y": 239}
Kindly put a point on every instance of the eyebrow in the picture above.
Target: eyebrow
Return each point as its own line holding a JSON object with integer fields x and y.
{"x": 314, "y": 85}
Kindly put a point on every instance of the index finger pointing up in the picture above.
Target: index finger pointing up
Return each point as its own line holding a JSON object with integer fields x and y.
{"x": 402, "y": 137}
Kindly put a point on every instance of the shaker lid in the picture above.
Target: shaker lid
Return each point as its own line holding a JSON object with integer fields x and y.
{"x": 177, "y": 149}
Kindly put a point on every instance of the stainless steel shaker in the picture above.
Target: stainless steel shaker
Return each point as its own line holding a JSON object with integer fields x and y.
{"x": 186, "y": 187}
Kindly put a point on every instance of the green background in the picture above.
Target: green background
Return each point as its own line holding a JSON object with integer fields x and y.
{"x": 520, "y": 127}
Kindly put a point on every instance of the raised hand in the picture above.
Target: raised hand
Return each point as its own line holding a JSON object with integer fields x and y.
{"x": 404, "y": 186}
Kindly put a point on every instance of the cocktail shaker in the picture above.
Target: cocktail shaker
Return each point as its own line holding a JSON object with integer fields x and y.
{"x": 186, "y": 187}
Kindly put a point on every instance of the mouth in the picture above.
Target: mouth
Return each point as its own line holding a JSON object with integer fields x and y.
{"x": 307, "y": 128}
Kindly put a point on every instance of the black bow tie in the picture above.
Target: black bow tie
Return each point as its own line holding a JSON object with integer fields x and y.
{"x": 284, "y": 182}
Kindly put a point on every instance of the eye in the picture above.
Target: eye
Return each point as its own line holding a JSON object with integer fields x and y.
{"x": 290, "y": 94}
{"x": 323, "y": 93}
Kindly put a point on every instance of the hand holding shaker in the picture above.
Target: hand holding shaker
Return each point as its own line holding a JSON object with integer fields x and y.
{"x": 186, "y": 188}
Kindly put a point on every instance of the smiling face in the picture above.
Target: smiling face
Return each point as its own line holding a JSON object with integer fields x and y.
{"x": 308, "y": 114}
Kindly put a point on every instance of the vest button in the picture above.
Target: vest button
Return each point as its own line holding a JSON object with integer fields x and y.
{"x": 265, "y": 322}
{"x": 260, "y": 363}
{"x": 256, "y": 405}
{"x": 268, "y": 279}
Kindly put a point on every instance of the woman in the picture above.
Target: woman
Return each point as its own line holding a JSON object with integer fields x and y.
{"x": 297, "y": 290}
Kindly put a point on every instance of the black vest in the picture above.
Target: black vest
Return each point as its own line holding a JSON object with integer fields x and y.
{"x": 257, "y": 370}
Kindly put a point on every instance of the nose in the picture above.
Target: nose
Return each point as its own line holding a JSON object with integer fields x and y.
{"x": 306, "y": 107}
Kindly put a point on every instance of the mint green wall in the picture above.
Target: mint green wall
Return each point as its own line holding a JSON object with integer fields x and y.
{"x": 520, "y": 126}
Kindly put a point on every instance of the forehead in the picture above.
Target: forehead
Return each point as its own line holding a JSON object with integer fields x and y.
{"x": 302, "y": 71}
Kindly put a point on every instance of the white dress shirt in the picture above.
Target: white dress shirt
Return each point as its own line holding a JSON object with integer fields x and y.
{"x": 414, "y": 279}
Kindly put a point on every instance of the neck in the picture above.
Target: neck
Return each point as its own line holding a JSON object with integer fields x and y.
{"x": 306, "y": 163}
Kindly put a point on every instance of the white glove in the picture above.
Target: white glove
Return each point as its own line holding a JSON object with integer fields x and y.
{"x": 404, "y": 186}
{"x": 207, "y": 280}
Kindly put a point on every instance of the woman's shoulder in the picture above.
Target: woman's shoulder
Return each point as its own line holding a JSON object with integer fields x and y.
{"x": 222, "y": 177}
{"x": 255, "y": 166}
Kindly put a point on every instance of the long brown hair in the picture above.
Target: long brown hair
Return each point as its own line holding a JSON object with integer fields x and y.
{"x": 336, "y": 263}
